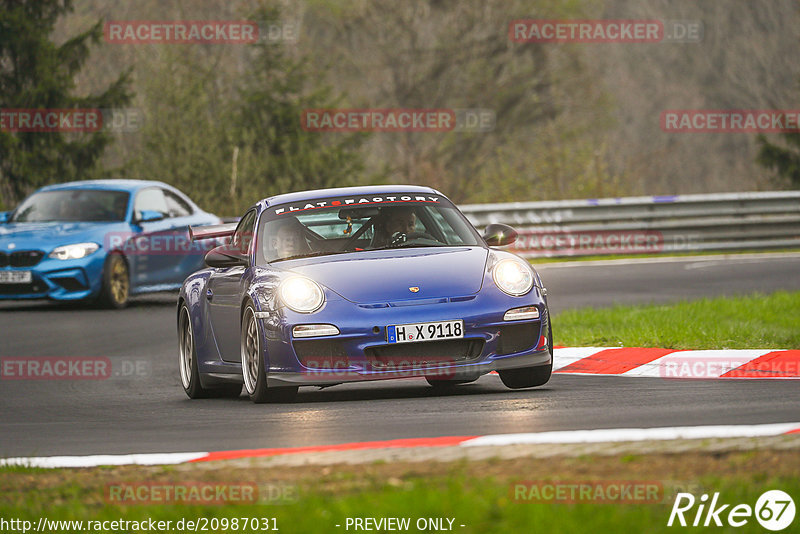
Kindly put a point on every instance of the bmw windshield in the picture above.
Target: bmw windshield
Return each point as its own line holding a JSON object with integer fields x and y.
{"x": 331, "y": 226}
{"x": 73, "y": 205}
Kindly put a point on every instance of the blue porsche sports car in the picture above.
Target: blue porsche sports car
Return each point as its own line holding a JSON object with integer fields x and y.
{"x": 104, "y": 240}
{"x": 352, "y": 284}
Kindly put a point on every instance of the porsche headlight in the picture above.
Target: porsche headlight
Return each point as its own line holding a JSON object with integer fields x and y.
{"x": 74, "y": 252}
{"x": 512, "y": 277}
{"x": 301, "y": 294}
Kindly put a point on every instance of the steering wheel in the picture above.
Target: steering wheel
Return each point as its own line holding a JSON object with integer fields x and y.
{"x": 398, "y": 238}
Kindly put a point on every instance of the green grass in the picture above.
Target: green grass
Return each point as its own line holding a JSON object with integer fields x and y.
{"x": 482, "y": 504}
{"x": 755, "y": 321}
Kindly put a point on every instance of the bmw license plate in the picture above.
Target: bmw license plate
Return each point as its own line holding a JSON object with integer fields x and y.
{"x": 16, "y": 277}
{"x": 410, "y": 333}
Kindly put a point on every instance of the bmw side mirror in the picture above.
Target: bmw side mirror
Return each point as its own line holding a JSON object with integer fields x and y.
{"x": 498, "y": 235}
{"x": 226, "y": 256}
{"x": 4, "y": 215}
{"x": 149, "y": 216}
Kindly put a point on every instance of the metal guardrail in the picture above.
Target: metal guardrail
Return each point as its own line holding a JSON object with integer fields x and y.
{"x": 633, "y": 225}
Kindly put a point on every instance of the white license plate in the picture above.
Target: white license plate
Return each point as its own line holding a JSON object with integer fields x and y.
{"x": 15, "y": 277}
{"x": 411, "y": 333}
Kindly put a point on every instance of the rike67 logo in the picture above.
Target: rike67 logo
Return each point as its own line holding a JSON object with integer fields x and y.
{"x": 774, "y": 510}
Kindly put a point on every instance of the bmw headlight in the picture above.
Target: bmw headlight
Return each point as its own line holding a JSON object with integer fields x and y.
{"x": 301, "y": 294}
{"x": 74, "y": 252}
{"x": 512, "y": 277}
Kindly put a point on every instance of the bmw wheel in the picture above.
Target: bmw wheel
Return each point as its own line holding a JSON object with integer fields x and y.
{"x": 115, "y": 291}
{"x": 253, "y": 366}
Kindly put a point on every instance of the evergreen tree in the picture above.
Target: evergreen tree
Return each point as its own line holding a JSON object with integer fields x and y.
{"x": 277, "y": 154}
{"x": 36, "y": 73}
{"x": 785, "y": 160}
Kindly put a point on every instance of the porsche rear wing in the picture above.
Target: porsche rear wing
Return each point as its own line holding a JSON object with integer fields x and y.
{"x": 211, "y": 231}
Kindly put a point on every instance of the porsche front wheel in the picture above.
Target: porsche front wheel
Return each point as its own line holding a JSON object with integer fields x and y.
{"x": 254, "y": 370}
{"x": 529, "y": 377}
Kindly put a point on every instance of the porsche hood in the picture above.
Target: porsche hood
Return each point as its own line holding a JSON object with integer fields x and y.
{"x": 400, "y": 274}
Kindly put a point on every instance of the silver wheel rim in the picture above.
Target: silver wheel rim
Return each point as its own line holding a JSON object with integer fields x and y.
{"x": 251, "y": 350}
{"x": 187, "y": 349}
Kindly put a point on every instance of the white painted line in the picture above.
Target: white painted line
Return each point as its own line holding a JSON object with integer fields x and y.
{"x": 108, "y": 459}
{"x": 569, "y": 436}
{"x": 633, "y": 434}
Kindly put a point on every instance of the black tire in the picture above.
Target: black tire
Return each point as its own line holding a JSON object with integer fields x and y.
{"x": 254, "y": 373}
{"x": 187, "y": 361}
{"x": 530, "y": 377}
{"x": 115, "y": 292}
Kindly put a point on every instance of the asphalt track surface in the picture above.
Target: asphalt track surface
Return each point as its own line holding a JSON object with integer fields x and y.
{"x": 142, "y": 407}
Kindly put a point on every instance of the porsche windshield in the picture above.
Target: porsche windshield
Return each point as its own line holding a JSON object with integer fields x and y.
{"x": 73, "y": 205}
{"x": 330, "y": 230}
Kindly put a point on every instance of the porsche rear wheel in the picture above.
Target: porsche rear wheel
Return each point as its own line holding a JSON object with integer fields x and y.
{"x": 190, "y": 375}
{"x": 529, "y": 377}
{"x": 116, "y": 282}
{"x": 254, "y": 370}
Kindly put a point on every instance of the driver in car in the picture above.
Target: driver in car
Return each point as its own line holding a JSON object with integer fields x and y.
{"x": 393, "y": 221}
{"x": 63, "y": 210}
{"x": 288, "y": 240}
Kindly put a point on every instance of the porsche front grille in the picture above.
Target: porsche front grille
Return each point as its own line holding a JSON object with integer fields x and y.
{"x": 321, "y": 354}
{"x": 518, "y": 337}
{"x": 426, "y": 353}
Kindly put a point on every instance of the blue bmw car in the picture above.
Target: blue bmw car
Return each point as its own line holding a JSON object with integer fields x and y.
{"x": 340, "y": 285}
{"x": 99, "y": 240}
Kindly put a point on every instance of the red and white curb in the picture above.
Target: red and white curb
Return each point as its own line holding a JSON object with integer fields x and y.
{"x": 556, "y": 437}
{"x": 670, "y": 363}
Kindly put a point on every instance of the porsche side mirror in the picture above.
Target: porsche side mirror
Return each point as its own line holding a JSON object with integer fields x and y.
{"x": 4, "y": 215}
{"x": 226, "y": 256}
{"x": 498, "y": 235}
